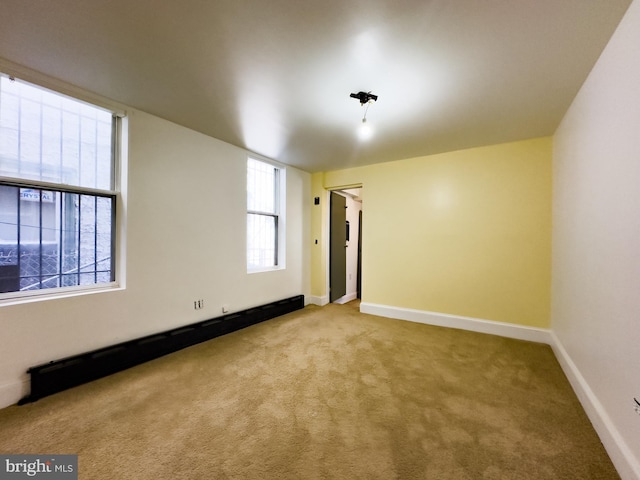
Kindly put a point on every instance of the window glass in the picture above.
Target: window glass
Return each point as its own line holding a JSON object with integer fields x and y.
{"x": 48, "y": 137}
{"x": 57, "y": 197}
{"x": 263, "y": 215}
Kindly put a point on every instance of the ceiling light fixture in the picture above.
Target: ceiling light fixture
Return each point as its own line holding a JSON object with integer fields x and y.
{"x": 365, "y": 132}
{"x": 366, "y": 98}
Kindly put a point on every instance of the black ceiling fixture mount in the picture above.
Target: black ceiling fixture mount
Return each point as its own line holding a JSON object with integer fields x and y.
{"x": 364, "y": 97}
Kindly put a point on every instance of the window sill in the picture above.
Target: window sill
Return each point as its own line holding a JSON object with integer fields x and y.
{"x": 17, "y": 298}
{"x": 265, "y": 269}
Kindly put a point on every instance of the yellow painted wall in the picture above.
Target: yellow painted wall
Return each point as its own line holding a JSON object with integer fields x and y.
{"x": 464, "y": 233}
{"x": 318, "y": 228}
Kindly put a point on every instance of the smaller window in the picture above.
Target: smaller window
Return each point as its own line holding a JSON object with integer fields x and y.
{"x": 264, "y": 215}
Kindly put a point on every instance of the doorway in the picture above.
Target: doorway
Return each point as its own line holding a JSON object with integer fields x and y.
{"x": 345, "y": 245}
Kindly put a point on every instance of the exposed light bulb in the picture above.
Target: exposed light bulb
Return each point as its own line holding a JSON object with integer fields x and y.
{"x": 365, "y": 132}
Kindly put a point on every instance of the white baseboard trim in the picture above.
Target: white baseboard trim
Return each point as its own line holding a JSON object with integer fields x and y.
{"x": 623, "y": 458}
{"x": 319, "y": 301}
{"x": 621, "y": 455}
{"x": 510, "y": 330}
{"x": 11, "y": 393}
{"x": 347, "y": 298}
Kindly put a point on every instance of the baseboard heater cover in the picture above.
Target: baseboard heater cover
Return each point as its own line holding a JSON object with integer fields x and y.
{"x": 58, "y": 375}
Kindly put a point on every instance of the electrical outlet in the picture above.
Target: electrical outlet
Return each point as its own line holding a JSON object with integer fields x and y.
{"x": 198, "y": 304}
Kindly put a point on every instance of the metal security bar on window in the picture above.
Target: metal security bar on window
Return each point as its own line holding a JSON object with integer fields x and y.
{"x": 54, "y": 239}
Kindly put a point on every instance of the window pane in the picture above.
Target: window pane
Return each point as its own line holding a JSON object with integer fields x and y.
{"x": 69, "y": 216}
{"x": 8, "y": 219}
{"x": 70, "y": 169}
{"x": 53, "y": 239}
{"x": 261, "y": 187}
{"x": 9, "y": 267}
{"x": 261, "y": 241}
{"x": 87, "y": 279}
{"x": 69, "y": 280}
{"x": 51, "y": 143}
{"x": 51, "y": 281}
{"x": 49, "y": 137}
{"x": 104, "y": 214}
{"x": 87, "y": 233}
{"x": 29, "y": 234}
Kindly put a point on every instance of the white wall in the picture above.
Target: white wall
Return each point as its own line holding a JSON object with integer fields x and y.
{"x": 185, "y": 240}
{"x": 596, "y": 244}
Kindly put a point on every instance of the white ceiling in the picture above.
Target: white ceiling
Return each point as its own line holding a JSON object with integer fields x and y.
{"x": 275, "y": 76}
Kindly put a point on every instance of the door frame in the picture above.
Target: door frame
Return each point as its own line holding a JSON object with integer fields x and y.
{"x": 326, "y": 227}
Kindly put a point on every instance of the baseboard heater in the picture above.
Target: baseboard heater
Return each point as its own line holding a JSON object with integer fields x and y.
{"x": 69, "y": 372}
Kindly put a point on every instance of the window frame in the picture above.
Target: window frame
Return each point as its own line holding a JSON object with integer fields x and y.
{"x": 279, "y": 216}
{"x": 115, "y": 193}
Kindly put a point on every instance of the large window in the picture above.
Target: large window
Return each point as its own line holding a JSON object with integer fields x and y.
{"x": 264, "y": 216}
{"x": 57, "y": 190}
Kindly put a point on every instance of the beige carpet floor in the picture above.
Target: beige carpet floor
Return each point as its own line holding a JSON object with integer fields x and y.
{"x": 324, "y": 393}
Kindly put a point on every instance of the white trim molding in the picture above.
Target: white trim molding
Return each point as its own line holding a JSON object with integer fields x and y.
{"x": 319, "y": 301}
{"x": 510, "y": 330}
{"x": 346, "y": 298}
{"x": 621, "y": 455}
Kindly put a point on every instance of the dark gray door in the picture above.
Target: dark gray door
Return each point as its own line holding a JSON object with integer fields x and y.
{"x": 337, "y": 248}
{"x": 359, "y": 278}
